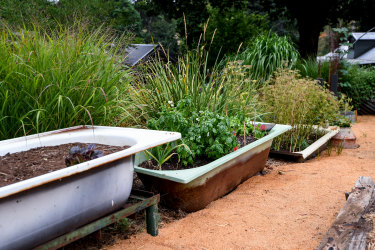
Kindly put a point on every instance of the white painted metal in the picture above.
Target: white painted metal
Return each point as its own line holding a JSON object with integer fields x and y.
{"x": 330, "y": 132}
{"x": 42, "y": 208}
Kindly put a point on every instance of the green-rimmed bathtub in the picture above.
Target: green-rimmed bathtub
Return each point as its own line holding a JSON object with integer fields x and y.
{"x": 193, "y": 189}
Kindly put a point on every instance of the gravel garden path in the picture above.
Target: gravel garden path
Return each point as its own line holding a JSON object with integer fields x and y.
{"x": 292, "y": 207}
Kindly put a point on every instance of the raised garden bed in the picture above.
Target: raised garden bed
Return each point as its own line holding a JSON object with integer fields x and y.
{"x": 42, "y": 160}
{"x": 311, "y": 151}
{"x": 41, "y": 208}
{"x": 193, "y": 189}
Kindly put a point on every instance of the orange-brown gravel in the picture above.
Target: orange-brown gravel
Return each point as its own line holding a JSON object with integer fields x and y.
{"x": 292, "y": 207}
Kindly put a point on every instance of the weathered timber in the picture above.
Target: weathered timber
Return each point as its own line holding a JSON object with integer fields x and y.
{"x": 349, "y": 230}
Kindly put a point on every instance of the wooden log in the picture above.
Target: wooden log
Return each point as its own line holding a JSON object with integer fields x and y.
{"x": 349, "y": 230}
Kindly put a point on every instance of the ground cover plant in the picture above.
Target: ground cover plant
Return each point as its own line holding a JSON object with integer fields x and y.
{"x": 300, "y": 102}
{"x": 59, "y": 79}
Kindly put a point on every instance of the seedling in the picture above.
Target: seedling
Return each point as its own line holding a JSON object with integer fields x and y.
{"x": 123, "y": 224}
{"x": 79, "y": 154}
{"x": 339, "y": 148}
{"x": 161, "y": 154}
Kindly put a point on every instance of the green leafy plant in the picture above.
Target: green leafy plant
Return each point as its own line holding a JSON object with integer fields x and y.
{"x": 300, "y": 102}
{"x": 357, "y": 83}
{"x": 342, "y": 122}
{"x": 205, "y": 133}
{"x": 163, "y": 153}
{"x": 123, "y": 224}
{"x": 59, "y": 79}
{"x": 79, "y": 154}
{"x": 245, "y": 126}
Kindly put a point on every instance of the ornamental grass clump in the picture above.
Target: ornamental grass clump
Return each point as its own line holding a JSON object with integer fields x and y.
{"x": 267, "y": 53}
{"x": 300, "y": 102}
{"x": 161, "y": 84}
{"x": 57, "y": 79}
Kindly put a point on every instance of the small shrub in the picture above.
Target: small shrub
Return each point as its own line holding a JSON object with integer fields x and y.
{"x": 300, "y": 102}
{"x": 205, "y": 133}
{"x": 358, "y": 83}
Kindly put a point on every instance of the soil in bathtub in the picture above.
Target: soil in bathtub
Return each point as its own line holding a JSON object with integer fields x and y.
{"x": 174, "y": 162}
{"x": 25, "y": 165}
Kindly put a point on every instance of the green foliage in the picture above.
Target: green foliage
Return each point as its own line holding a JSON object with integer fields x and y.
{"x": 358, "y": 83}
{"x": 310, "y": 68}
{"x": 229, "y": 28}
{"x": 123, "y": 16}
{"x": 268, "y": 53}
{"x": 162, "y": 154}
{"x": 342, "y": 122}
{"x": 119, "y": 15}
{"x": 123, "y": 224}
{"x": 221, "y": 91}
{"x": 343, "y": 34}
{"x": 69, "y": 77}
{"x": 205, "y": 133}
{"x": 300, "y": 102}
{"x": 161, "y": 30}
{"x": 339, "y": 148}
{"x": 245, "y": 126}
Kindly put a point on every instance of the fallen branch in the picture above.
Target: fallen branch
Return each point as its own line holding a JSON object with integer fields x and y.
{"x": 350, "y": 229}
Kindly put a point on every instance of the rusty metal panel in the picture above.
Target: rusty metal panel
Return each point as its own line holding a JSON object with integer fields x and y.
{"x": 199, "y": 193}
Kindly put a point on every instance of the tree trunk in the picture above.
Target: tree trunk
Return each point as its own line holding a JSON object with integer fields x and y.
{"x": 308, "y": 38}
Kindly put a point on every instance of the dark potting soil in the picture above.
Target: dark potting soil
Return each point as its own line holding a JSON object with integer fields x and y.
{"x": 25, "y": 165}
{"x": 175, "y": 164}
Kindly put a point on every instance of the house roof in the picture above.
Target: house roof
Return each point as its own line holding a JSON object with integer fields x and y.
{"x": 363, "y": 36}
{"x": 136, "y": 52}
{"x": 362, "y": 53}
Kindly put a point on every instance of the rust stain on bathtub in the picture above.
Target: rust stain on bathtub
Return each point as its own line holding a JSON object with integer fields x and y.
{"x": 199, "y": 193}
